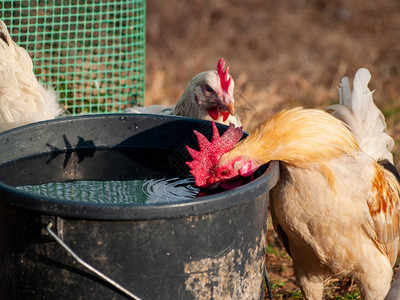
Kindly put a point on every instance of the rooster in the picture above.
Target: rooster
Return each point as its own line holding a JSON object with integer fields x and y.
{"x": 23, "y": 99}
{"x": 335, "y": 208}
{"x": 208, "y": 96}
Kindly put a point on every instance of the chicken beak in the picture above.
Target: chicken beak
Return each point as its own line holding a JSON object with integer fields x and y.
{"x": 228, "y": 103}
{"x": 230, "y": 107}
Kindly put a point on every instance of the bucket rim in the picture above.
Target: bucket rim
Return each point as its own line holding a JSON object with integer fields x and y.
{"x": 185, "y": 208}
{"x": 83, "y": 210}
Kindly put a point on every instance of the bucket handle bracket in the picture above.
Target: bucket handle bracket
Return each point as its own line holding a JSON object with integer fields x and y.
{"x": 57, "y": 226}
{"x": 86, "y": 265}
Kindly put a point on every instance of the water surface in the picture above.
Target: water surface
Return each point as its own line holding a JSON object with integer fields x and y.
{"x": 119, "y": 192}
{"x": 109, "y": 175}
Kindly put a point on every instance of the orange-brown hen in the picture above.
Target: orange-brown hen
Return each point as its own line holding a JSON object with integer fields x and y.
{"x": 335, "y": 208}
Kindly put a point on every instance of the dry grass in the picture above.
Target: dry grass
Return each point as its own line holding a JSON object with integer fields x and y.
{"x": 281, "y": 53}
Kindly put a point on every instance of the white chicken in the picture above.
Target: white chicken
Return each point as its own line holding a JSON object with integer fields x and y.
{"x": 208, "y": 96}
{"x": 23, "y": 99}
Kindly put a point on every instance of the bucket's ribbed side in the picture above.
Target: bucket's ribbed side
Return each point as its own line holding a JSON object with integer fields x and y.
{"x": 212, "y": 256}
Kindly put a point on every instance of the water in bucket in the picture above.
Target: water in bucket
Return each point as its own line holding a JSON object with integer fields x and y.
{"x": 108, "y": 176}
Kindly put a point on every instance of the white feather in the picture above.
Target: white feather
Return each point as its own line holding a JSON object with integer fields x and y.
{"x": 23, "y": 99}
{"x": 364, "y": 119}
{"x": 361, "y": 97}
{"x": 344, "y": 92}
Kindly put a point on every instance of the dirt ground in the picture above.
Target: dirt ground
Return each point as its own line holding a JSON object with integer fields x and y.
{"x": 282, "y": 54}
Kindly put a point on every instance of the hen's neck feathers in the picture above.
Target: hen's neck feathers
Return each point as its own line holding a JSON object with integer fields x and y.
{"x": 297, "y": 137}
{"x": 187, "y": 105}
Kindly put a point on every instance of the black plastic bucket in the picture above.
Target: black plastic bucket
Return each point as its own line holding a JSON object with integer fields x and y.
{"x": 211, "y": 247}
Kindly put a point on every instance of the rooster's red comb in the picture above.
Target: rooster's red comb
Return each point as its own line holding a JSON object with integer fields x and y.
{"x": 210, "y": 152}
{"x": 224, "y": 76}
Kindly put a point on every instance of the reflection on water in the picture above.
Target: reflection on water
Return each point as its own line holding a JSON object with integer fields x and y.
{"x": 169, "y": 190}
{"x": 119, "y": 192}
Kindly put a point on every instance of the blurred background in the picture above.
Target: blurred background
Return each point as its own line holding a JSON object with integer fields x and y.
{"x": 281, "y": 53}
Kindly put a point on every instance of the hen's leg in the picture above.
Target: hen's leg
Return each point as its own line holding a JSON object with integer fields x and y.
{"x": 312, "y": 287}
{"x": 310, "y": 275}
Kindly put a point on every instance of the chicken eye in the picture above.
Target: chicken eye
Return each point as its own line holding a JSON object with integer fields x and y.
{"x": 208, "y": 89}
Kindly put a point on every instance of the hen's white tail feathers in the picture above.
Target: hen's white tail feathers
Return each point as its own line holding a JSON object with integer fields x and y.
{"x": 23, "y": 99}
{"x": 365, "y": 120}
{"x": 344, "y": 92}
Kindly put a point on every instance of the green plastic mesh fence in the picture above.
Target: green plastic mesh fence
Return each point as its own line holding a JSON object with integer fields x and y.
{"x": 91, "y": 52}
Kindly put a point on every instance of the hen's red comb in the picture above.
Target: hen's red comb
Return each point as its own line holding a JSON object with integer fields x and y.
{"x": 224, "y": 76}
{"x": 210, "y": 152}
